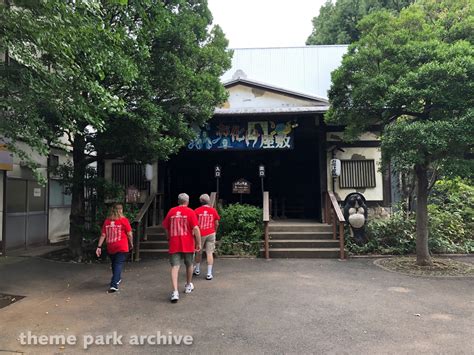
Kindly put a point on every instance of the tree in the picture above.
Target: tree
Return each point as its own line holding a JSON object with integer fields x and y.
{"x": 413, "y": 73}
{"x": 117, "y": 78}
{"x": 337, "y": 22}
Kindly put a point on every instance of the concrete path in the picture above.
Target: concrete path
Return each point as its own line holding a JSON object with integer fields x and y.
{"x": 251, "y": 306}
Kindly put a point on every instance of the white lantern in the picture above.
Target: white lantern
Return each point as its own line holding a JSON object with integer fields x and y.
{"x": 335, "y": 165}
{"x": 149, "y": 172}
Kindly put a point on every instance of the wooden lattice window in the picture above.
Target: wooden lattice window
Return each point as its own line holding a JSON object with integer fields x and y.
{"x": 129, "y": 174}
{"x": 357, "y": 174}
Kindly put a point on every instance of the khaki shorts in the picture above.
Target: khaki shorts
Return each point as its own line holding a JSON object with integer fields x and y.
{"x": 208, "y": 243}
{"x": 175, "y": 259}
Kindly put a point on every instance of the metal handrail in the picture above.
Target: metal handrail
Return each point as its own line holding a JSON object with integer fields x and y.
{"x": 333, "y": 215}
{"x": 266, "y": 220}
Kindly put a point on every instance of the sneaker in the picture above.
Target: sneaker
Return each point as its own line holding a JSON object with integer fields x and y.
{"x": 188, "y": 288}
{"x": 112, "y": 289}
{"x": 174, "y": 296}
{"x": 196, "y": 272}
{"x": 209, "y": 277}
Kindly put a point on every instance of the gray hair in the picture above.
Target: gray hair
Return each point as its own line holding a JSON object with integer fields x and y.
{"x": 204, "y": 199}
{"x": 183, "y": 198}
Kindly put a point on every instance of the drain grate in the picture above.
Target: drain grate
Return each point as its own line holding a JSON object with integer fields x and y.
{"x": 6, "y": 300}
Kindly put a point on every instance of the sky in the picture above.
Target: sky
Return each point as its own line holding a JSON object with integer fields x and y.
{"x": 265, "y": 23}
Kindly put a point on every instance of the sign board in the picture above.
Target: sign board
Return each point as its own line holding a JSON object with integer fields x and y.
{"x": 6, "y": 158}
{"x": 261, "y": 171}
{"x": 133, "y": 195}
{"x": 241, "y": 186}
{"x": 217, "y": 171}
{"x": 255, "y": 135}
{"x": 335, "y": 166}
{"x": 37, "y": 192}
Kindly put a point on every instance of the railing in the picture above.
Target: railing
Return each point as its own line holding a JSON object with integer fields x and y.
{"x": 151, "y": 213}
{"x": 334, "y": 216}
{"x": 266, "y": 220}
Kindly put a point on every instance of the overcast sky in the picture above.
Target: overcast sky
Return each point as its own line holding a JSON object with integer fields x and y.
{"x": 265, "y": 23}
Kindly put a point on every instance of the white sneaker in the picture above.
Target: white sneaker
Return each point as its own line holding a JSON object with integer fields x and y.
{"x": 209, "y": 277}
{"x": 174, "y": 296}
{"x": 196, "y": 271}
{"x": 188, "y": 288}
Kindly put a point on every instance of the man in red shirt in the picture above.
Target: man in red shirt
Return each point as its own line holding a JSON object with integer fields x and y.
{"x": 208, "y": 219}
{"x": 181, "y": 224}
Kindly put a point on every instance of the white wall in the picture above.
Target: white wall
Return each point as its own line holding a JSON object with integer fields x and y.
{"x": 58, "y": 224}
{"x": 371, "y": 194}
{"x": 241, "y": 96}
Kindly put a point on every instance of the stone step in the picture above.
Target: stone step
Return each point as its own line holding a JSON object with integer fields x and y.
{"x": 301, "y": 243}
{"x": 323, "y": 253}
{"x": 155, "y": 251}
{"x": 300, "y": 235}
{"x": 156, "y": 237}
{"x": 303, "y": 227}
{"x": 155, "y": 229}
{"x": 154, "y": 244}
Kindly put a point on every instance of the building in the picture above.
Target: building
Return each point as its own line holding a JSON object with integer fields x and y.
{"x": 273, "y": 118}
{"x": 32, "y": 213}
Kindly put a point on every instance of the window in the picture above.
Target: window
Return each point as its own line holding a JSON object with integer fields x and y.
{"x": 357, "y": 174}
{"x": 129, "y": 174}
{"x": 57, "y": 194}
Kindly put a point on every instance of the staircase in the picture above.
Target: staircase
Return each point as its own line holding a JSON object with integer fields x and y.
{"x": 301, "y": 239}
{"x": 156, "y": 244}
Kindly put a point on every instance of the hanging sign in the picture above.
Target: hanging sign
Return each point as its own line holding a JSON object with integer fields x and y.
{"x": 217, "y": 171}
{"x": 253, "y": 135}
{"x": 241, "y": 186}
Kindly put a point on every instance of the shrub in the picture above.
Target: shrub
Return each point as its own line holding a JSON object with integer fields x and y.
{"x": 451, "y": 224}
{"x": 240, "y": 230}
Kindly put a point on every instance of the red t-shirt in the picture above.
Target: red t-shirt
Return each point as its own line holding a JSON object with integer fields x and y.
{"x": 116, "y": 234}
{"x": 207, "y": 217}
{"x": 179, "y": 223}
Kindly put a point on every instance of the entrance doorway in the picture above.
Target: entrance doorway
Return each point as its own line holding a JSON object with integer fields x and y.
{"x": 26, "y": 214}
{"x": 292, "y": 175}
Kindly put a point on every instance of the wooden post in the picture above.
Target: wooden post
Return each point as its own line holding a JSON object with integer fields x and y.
{"x": 137, "y": 243}
{"x": 267, "y": 242}
{"x": 154, "y": 211}
{"x": 341, "y": 241}
{"x": 333, "y": 220}
{"x": 266, "y": 220}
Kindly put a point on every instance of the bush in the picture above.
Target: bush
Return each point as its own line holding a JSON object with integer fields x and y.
{"x": 240, "y": 230}
{"x": 451, "y": 224}
{"x": 394, "y": 235}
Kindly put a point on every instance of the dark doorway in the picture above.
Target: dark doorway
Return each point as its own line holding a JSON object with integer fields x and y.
{"x": 292, "y": 176}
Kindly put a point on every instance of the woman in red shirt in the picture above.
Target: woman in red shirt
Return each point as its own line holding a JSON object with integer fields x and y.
{"x": 117, "y": 232}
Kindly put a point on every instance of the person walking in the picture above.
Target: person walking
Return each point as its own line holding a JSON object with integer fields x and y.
{"x": 208, "y": 220}
{"x": 117, "y": 233}
{"x": 181, "y": 225}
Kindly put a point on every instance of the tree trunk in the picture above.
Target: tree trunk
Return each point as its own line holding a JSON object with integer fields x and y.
{"x": 423, "y": 257}
{"x": 77, "y": 217}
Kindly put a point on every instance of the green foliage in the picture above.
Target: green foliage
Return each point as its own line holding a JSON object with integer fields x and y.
{"x": 337, "y": 22}
{"x": 411, "y": 73}
{"x": 107, "y": 79}
{"x": 451, "y": 224}
{"x": 240, "y": 230}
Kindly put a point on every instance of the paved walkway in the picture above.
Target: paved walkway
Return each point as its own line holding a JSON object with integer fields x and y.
{"x": 251, "y": 306}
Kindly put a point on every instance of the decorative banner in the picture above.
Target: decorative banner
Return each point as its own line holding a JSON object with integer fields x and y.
{"x": 244, "y": 136}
